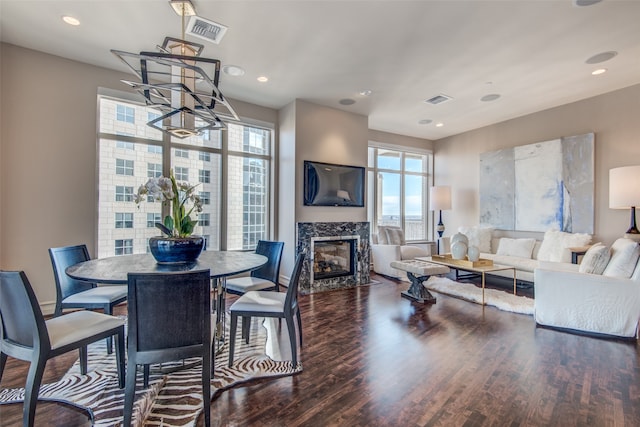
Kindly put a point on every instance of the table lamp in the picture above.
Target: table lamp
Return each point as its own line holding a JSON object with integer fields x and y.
{"x": 439, "y": 200}
{"x": 624, "y": 193}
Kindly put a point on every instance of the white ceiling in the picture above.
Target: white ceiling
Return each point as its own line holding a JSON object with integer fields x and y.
{"x": 532, "y": 53}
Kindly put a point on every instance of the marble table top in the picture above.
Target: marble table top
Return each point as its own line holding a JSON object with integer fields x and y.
{"x": 114, "y": 270}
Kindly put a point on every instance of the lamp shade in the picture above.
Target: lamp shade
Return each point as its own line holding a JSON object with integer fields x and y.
{"x": 440, "y": 198}
{"x": 624, "y": 187}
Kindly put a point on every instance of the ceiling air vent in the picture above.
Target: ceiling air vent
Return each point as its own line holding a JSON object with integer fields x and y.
{"x": 438, "y": 99}
{"x": 205, "y": 29}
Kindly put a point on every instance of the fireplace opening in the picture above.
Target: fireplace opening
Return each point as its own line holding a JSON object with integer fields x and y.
{"x": 334, "y": 258}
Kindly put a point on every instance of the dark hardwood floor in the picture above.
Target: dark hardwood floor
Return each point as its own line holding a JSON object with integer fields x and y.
{"x": 373, "y": 359}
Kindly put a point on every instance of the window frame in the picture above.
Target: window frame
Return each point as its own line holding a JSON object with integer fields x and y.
{"x": 163, "y": 145}
{"x": 372, "y": 213}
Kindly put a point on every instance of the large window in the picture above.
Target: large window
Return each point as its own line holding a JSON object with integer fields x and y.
{"x": 398, "y": 185}
{"x": 231, "y": 169}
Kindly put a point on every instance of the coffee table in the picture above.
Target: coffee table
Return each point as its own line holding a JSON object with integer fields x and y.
{"x": 418, "y": 272}
{"x": 481, "y": 270}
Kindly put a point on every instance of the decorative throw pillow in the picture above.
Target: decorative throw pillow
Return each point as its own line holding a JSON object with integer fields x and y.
{"x": 478, "y": 236}
{"x": 624, "y": 256}
{"x": 395, "y": 236}
{"x": 572, "y": 240}
{"x": 516, "y": 247}
{"x": 555, "y": 245}
{"x": 595, "y": 260}
{"x": 382, "y": 235}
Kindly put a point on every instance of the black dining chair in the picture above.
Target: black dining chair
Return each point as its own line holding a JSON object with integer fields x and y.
{"x": 264, "y": 278}
{"x": 169, "y": 319}
{"x": 25, "y": 335}
{"x": 269, "y": 304}
{"x": 72, "y": 293}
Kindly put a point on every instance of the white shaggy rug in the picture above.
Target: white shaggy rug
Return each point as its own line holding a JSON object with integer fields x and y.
{"x": 500, "y": 299}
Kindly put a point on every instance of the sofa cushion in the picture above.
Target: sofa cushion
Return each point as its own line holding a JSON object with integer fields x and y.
{"x": 478, "y": 236}
{"x": 382, "y": 235}
{"x": 520, "y": 263}
{"x": 624, "y": 257}
{"x": 395, "y": 236}
{"x": 555, "y": 245}
{"x": 516, "y": 247}
{"x": 595, "y": 260}
{"x": 412, "y": 252}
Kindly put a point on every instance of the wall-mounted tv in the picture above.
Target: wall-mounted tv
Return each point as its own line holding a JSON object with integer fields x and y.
{"x": 326, "y": 184}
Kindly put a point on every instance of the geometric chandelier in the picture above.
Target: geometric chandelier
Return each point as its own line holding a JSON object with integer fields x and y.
{"x": 176, "y": 80}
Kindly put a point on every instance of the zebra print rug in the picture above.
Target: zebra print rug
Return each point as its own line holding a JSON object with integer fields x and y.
{"x": 172, "y": 399}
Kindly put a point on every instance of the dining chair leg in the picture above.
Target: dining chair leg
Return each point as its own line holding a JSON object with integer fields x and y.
{"x": 83, "y": 359}
{"x": 299, "y": 326}
{"x": 206, "y": 388}
{"x": 31, "y": 390}
{"x": 232, "y": 336}
{"x": 3, "y": 362}
{"x": 129, "y": 392}
{"x": 246, "y": 328}
{"x": 107, "y": 310}
{"x": 292, "y": 340}
{"x": 145, "y": 375}
{"x": 120, "y": 358}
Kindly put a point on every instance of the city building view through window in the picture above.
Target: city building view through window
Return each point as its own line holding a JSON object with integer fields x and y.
{"x": 398, "y": 188}
{"x": 231, "y": 169}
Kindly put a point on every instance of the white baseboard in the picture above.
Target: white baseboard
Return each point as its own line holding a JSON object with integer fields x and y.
{"x": 48, "y": 307}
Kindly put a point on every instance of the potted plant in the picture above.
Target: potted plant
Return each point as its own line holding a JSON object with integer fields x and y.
{"x": 177, "y": 244}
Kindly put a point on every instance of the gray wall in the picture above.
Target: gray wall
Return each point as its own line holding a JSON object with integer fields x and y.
{"x": 613, "y": 117}
{"x": 312, "y": 132}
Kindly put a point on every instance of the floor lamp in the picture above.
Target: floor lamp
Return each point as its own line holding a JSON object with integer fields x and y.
{"x": 440, "y": 200}
{"x": 624, "y": 193}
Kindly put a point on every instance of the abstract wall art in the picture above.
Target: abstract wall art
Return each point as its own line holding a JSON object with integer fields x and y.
{"x": 541, "y": 186}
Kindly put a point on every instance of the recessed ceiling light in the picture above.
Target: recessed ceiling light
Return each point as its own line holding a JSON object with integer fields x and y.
{"x": 233, "y": 70}
{"x": 71, "y": 20}
{"x": 263, "y": 79}
{"x": 347, "y": 101}
{"x": 601, "y": 57}
{"x": 599, "y": 71}
{"x": 490, "y": 97}
{"x": 365, "y": 92}
{"x": 439, "y": 125}
{"x": 425, "y": 121}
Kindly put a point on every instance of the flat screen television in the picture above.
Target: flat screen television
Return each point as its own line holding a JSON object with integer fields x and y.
{"x": 327, "y": 184}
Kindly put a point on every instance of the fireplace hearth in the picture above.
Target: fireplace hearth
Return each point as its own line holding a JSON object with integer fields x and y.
{"x": 337, "y": 255}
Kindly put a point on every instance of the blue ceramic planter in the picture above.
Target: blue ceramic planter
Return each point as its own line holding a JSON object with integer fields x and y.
{"x": 171, "y": 250}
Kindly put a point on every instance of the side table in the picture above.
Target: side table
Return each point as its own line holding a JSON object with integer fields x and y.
{"x": 577, "y": 251}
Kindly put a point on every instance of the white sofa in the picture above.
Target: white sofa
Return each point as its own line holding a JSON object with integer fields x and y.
{"x": 389, "y": 245}
{"x": 594, "y": 303}
{"x": 523, "y": 253}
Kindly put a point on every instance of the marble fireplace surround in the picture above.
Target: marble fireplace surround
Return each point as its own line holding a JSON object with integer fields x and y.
{"x": 337, "y": 230}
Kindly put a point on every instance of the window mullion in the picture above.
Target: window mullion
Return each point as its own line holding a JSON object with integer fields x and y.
{"x": 166, "y": 169}
{"x": 224, "y": 172}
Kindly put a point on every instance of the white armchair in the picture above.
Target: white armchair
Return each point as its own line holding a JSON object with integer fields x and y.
{"x": 390, "y": 245}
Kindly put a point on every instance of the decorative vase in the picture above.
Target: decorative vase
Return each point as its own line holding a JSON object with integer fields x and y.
{"x": 458, "y": 250}
{"x": 473, "y": 253}
{"x": 459, "y": 237}
{"x": 172, "y": 250}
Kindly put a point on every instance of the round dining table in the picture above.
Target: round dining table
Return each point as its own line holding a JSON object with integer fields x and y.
{"x": 114, "y": 270}
{"x": 221, "y": 264}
